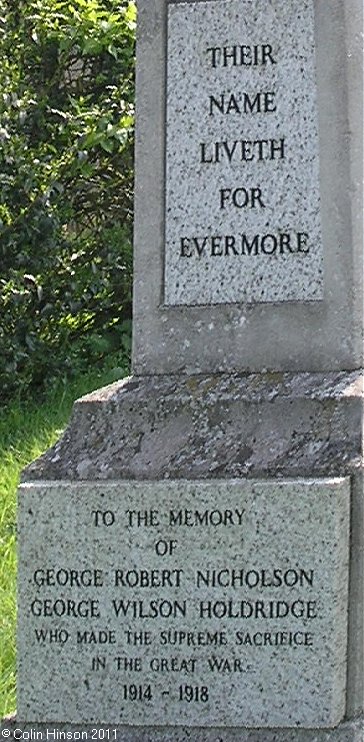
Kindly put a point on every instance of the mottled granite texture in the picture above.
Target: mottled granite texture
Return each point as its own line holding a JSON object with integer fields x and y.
{"x": 216, "y": 426}
{"x": 285, "y": 336}
{"x": 226, "y": 426}
{"x": 242, "y": 154}
{"x": 248, "y": 607}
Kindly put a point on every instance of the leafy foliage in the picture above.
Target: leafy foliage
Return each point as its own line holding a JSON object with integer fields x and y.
{"x": 66, "y": 163}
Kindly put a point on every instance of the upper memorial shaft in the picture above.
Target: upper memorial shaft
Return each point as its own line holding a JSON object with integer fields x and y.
{"x": 247, "y": 252}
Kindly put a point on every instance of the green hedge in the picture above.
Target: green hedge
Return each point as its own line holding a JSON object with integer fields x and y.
{"x": 66, "y": 135}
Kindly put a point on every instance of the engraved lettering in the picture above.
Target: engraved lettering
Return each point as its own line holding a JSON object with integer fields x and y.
{"x": 261, "y": 102}
{"x": 240, "y": 56}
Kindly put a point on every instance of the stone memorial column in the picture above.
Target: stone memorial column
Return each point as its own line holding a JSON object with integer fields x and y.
{"x": 190, "y": 552}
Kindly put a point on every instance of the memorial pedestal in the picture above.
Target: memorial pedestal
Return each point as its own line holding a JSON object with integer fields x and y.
{"x": 218, "y": 425}
{"x": 273, "y": 498}
{"x": 244, "y": 413}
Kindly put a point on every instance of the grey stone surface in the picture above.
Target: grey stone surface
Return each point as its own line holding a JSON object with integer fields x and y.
{"x": 181, "y": 417}
{"x": 352, "y": 731}
{"x": 261, "y": 336}
{"x": 355, "y": 685}
{"x": 242, "y": 156}
{"x": 225, "y": 425}
{"x": 238, "y": 589}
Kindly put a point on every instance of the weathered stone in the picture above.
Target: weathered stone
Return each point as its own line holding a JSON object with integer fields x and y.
{"x": 255, "y": 391}
{"x": 191, "y": 427}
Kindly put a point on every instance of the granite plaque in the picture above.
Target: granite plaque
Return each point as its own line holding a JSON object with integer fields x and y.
{"x": 184, "y": 602}
{"x": 242, "y": 216}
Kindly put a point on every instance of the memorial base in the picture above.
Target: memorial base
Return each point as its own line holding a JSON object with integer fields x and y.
{"x": 285, "y": 436}
{"x": 211, "y": 426}
{"x": 348, "y": 731}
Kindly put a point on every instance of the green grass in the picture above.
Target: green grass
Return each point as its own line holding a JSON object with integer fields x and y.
{"x": 27, "y": 429}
